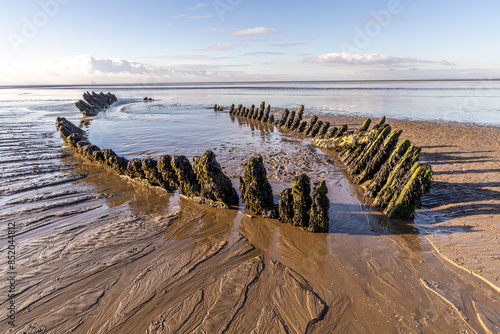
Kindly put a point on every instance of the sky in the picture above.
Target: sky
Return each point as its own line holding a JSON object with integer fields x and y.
{"x": 153, "y": 41}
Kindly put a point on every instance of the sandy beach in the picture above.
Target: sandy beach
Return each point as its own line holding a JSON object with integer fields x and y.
{"x": 97, "y": 253}
{"x": 460, "y": 216}
{"x": 249, "y": 167}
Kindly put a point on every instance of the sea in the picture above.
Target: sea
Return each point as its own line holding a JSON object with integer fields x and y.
{"x": 455, "y": 101}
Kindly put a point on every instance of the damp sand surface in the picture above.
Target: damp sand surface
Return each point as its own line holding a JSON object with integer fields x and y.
{"x": 97, "y": 253}
{"x": 460, "y": 216}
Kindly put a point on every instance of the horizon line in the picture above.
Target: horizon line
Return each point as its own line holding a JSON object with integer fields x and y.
{"x": 236, "y": 82}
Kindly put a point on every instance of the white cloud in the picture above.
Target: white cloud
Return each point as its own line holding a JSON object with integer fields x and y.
{"x": 346, "y": 58}
{"x": 446, "y": 63}
{"x": 249, "y": 40}
{"x": 286, "y": 45}
{"x": 194, "y": 17}
{"x": 255, "y": 31}
{"x": 198, "y": 5}
{"x": 262, "y": 53}
{"x": 189, "y": 57}
{"x": 83, "y": 69}
{"x": 117, "y": 66}
{"x": 219, "y": 47}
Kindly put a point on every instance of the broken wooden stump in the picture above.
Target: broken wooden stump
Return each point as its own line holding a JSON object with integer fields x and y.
{"x": 290, "y": 120}
{"x": 214, "y": 184}
{"x": 315, "y": 129}
{"x": 134, "y": 168}
{"x": 298, "y": 119}
{"x": 186, "y": 179}
{"x": 331, "y": 133}
{"x": 323, "y": 130}
{"x": 301, "y": 193}
{"x": 164, "y": 166}
{"x": 151, "y": 172}
{"x": 310, "y": 126}
{"x": 284, "y": 118}
{"x": 319, "y": 220}
{"x": 256, "y": 192}
{"x": 302, "y": 127}
{"x": 285, "y": 206}
{"x": 365, "y": 125}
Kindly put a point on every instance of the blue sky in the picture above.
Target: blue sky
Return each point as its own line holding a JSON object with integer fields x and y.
{"x": 76, "y": 41}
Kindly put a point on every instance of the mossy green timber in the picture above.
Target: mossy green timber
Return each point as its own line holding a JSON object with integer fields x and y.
{"x": 380, "y": 177}
{"x": 405, "y": 164}
{"x": 365, "y": 125}
{"x": 214, "y": 184}
{"x": 256, "y": 192}
{"x": 404, "y": 205}
{"x": 285, "y": 206}
{"x": 380, "y": 157}
{"x": 301, "y": 193}
{"x": 318, "y": 217}
{"x": 371, "y": 150}
{"x": 186, "y": 180}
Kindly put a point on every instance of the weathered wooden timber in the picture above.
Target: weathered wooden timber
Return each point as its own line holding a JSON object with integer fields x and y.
{"x": 318, "y": 220}
{"x": 298, "y": 119}
{"x": 93, "y": 103}
{"x": 205, "y": 183}
{"x": 315, "y": 129}
{"x": 310, "y": 126}
{"x": 398, "y": 177}
{"x": 375, "y": 163}
{"x": 214, "y": 184}
{"x": 301, "y": 193}
{"x": 381, "y": 176}
{"x": 410, "y": 197}
{"x": 367, "y": 155}
{"x": 323, "y": 130}
{"x": 284, "y": 118}
{"x": 256, "y": 192}
{"x": 285, "y": 206}
{"x": 370, "y": 155}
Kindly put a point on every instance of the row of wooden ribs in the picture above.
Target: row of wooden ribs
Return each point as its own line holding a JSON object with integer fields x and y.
{"x": 397, "y": 180}
{"x": 205, "y": 182}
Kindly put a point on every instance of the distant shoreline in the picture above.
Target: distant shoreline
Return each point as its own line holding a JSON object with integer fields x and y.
{"x": 245, "y": 82}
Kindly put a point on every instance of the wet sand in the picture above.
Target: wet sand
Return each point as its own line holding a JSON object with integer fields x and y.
{"x": 460, "y": 216}
{"x": 100, "y": 254}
